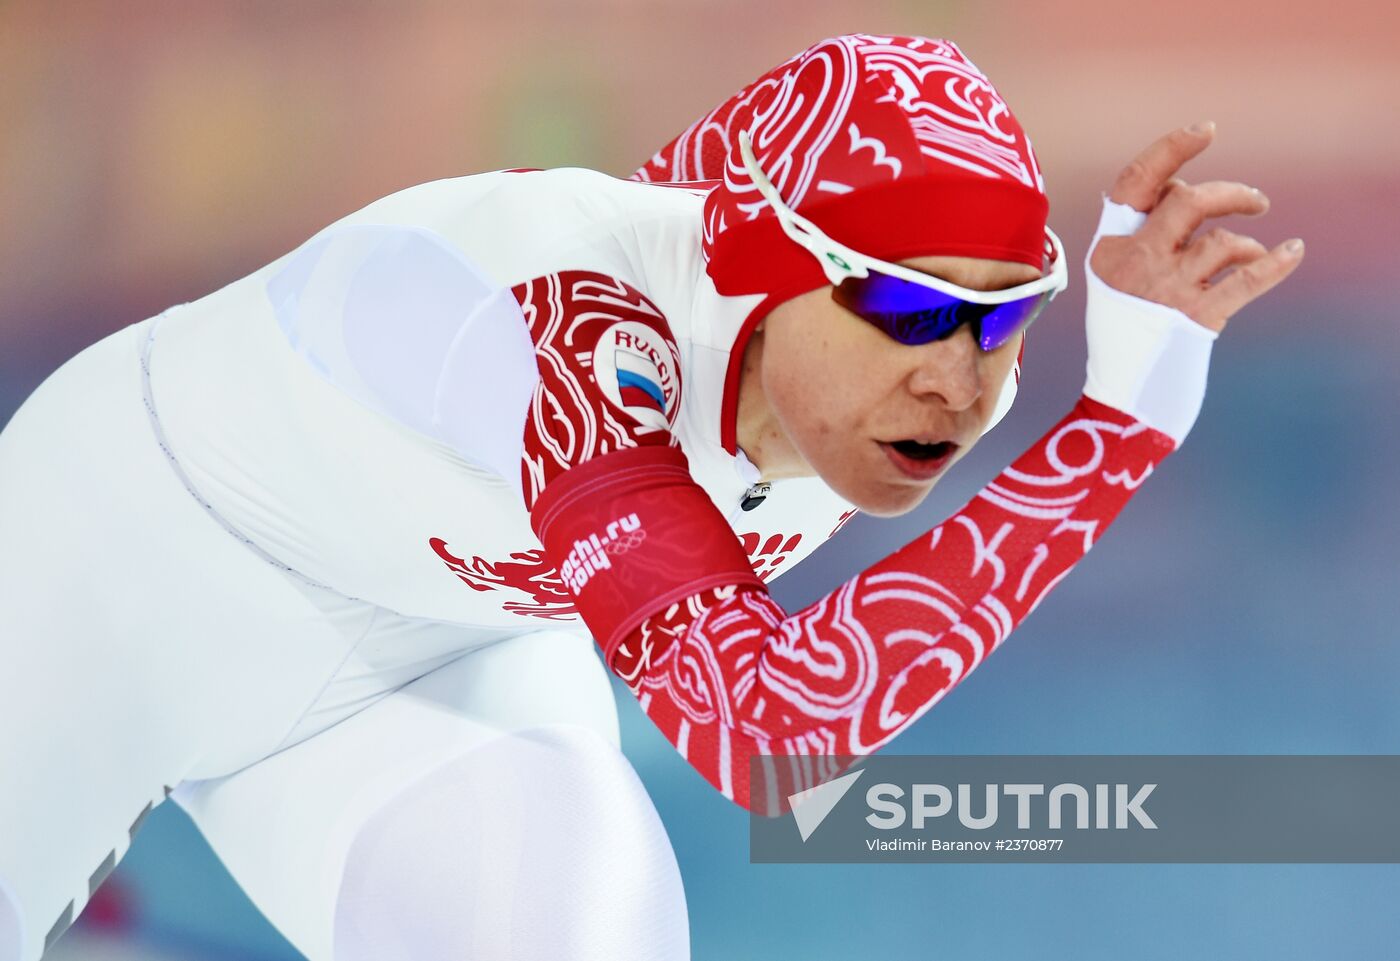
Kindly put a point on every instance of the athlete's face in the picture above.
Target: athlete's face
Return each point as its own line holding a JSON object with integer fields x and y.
{"x": 826, "y": 393}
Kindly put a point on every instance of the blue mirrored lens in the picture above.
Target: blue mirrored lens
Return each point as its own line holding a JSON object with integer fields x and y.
{"x": 914, "y": 314}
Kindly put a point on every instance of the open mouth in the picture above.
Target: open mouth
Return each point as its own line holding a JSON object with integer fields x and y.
{"x": 920, "y": 460}
{"x": 914, "y": 450}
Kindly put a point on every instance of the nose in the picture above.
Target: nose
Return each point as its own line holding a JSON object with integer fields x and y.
{"x": 949, "y": 370}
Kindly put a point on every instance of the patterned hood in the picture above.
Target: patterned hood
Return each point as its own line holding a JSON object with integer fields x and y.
{"x": 894, "y": 146}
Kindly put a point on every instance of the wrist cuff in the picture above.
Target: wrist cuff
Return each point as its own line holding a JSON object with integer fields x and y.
{"x": 1145, "y": 359}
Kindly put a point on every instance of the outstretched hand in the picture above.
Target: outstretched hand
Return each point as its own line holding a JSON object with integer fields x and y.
{"x": 1166, "y": 261}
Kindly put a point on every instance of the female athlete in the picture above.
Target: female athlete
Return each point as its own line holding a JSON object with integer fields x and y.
{"x": 326, "y": 553}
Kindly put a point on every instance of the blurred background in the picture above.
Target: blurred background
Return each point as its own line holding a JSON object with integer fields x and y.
{"x": 1246, "y": 602}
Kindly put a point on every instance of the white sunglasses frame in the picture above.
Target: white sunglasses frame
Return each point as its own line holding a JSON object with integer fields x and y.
{"x": 840, "y": 262}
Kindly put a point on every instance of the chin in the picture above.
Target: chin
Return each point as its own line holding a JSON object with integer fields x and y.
{"x": 887, "y": 500}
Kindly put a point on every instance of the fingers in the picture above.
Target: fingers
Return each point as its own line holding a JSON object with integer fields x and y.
{"x": 1161, "y": 261}
{"x": 1185, "y": 207}
{"x": 1217, "y": 249}
{"x": 1249, "y": 282}
{"x": 1144, "y": 178}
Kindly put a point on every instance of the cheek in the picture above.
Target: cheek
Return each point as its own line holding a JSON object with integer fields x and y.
{"x": 788, "y": 380}
{"x": 820, "y": 391}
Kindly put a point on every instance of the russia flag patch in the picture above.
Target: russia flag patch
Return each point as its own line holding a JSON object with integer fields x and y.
{"x": 636, "y": 381}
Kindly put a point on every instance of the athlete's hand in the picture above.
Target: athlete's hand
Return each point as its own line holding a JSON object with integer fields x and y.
{"x": 1166, "y": 260}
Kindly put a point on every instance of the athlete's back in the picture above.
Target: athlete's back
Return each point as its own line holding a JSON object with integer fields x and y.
{"x": 405, "y": 346}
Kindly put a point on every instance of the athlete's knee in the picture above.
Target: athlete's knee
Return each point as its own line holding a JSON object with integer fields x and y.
{"x": 540, "y": 845}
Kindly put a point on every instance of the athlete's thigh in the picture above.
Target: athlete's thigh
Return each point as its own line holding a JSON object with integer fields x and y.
{"x": 285, "y": 825}
{"x": 539, "y": 845}
{"x": 140, "y": 642}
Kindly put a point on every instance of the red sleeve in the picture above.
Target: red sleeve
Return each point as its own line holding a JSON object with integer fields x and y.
{"x": 609, "y": 374}
{"x": 726, "y": 675}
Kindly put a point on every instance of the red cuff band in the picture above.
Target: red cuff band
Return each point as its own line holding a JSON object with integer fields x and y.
{"x": 632, "y": 533}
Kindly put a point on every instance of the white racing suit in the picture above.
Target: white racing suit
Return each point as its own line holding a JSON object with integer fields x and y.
{"x": 278, "y": 551}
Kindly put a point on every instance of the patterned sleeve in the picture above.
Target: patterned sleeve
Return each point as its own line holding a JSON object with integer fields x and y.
{"x": 726, "y": 675}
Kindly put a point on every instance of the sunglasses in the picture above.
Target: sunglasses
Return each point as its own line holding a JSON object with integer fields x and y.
{"x": 912, "y": 307}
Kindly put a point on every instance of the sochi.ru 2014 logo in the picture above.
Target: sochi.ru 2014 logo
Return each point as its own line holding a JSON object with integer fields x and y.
{"x": 592, "y": 554}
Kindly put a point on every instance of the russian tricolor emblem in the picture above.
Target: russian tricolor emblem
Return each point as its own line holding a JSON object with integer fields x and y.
{"x": 636, "y": 380}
